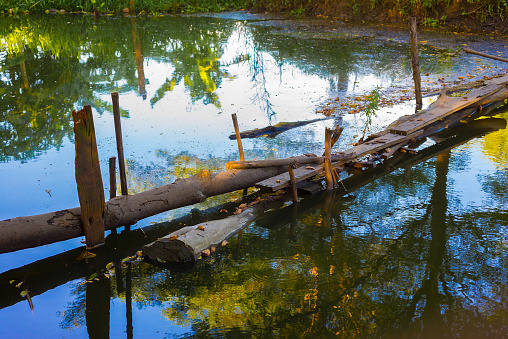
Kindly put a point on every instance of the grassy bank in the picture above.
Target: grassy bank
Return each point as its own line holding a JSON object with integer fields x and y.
{"x": 431, "y": 12}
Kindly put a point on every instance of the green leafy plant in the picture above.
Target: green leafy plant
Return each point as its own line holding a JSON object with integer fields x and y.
{"x": 371, "y": 111}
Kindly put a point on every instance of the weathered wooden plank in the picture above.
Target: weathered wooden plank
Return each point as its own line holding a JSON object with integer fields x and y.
{"x": 282, "y": 180}
{"x": 88, "y": 177}
{"x": 445, "y": 106}
{"x": 375, "y": 145}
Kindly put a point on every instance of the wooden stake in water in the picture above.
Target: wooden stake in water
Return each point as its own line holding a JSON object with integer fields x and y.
{"x": 119, "y": 143}
{"x": 239, "y": 142}
{"x": 112, "y": 177}
{"x": 328, "y": 162}
{"x": 415, "y": 62}
{"x": 238, "y": 138}
{"x": 89, "y": 178}
{"x": 292, "y": 180}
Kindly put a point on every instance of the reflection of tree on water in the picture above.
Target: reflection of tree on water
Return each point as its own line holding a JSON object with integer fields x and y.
{"x": 139, "y": 59}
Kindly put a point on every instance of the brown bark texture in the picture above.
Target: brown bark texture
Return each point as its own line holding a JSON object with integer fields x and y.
{"x": 31, "y": 231}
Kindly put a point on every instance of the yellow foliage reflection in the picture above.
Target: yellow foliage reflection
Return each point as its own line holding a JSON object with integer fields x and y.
{"x": 494, "y": 146}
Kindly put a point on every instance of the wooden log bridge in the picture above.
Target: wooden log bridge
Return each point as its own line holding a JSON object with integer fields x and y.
{"x": 31, "y": 231}
{"x": 187, "y": 244}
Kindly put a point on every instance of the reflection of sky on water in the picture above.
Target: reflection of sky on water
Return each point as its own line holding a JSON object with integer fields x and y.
{"x": 373, "y": 218}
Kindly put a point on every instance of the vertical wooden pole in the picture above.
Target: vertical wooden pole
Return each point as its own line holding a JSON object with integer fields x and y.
{"x": 238, "y": 138}
{"x": 415, "y": 62}
{"x": 239, "y": 142}
{"x": 119, "y": 143}
{"x": 112, "y": 182}
{"x": 112, "y": 177}
{"x": 88, "y": 177}
{"x": 292, "y": 180}
{"x": 328, "y": 155}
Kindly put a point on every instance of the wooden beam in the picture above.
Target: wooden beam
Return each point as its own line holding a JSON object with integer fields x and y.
{"x": 472, "y": 51}
{"x": 445, "y": 106}
{"x": 89, "y": 178}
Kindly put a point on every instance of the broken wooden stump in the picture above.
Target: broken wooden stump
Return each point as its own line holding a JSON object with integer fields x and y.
{"x": 88, "y": 177}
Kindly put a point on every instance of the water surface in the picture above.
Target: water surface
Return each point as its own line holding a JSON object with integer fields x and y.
{"x": 420, "y": 251}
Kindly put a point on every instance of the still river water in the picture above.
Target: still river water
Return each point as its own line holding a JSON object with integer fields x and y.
{"x": 420, "y": 251}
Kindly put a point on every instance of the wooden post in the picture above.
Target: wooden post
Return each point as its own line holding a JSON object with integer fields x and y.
{"x": 119, "y": 143}
{"x": 238, "y": 138}
{"x": 415, "y": 62}
{"x": 112, "y": 177}
{"x": 112, "y": 182}
{"x": 88, "y": 177}
{"x": 328, "y": 155}
{"x": 292, "y": 179}
{"x": 239, "y": 142}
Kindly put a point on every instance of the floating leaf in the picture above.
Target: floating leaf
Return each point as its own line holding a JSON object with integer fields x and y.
{"x": 85, "y": 255}
{"x": 12, "y": 282}
{"x": 110, "y": 265}
{"x": 140, "y": 253}
{"x": 205, "y": 253}
{"x": 200, "y": 227}
{"x": 160, "y": 260}
{"x": 212, "y": 248}
{"x": 92, "y": 276}
{"x": 173, "y": 237}
{"x": 23, "y": 293}
{"x": 19, "y": 285}
{"x": 224, "y": 243}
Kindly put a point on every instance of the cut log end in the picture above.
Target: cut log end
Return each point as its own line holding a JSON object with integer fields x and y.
{"x": 172, "y": 251}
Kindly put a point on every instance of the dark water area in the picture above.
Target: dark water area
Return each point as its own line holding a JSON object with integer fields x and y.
{"x": 421, "y": 251}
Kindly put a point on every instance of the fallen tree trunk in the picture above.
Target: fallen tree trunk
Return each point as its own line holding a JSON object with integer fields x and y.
{"x": 25, "y": 232}
{"x": 192, "y": 242}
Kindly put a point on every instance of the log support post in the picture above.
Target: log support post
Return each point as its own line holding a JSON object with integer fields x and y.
{"x": 415, "y": 62}
{"x": 238, "y": 138}
{"x": 239, "y": 142}
{"x": 112, "y": 182}
{"x": 119, "y": 143}
{"x": 112, "y": 177}
{"x": 328, "y": 162}
{"x": 292, "y": 179}
{"x": 88, "y": 178}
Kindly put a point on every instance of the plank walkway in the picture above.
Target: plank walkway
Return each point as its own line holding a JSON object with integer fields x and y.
{"x": 395, "y": 136}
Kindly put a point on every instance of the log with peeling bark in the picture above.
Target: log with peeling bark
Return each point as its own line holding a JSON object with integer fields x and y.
{"x": 25, "y": 232}
{"x": 193, "y": 242}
